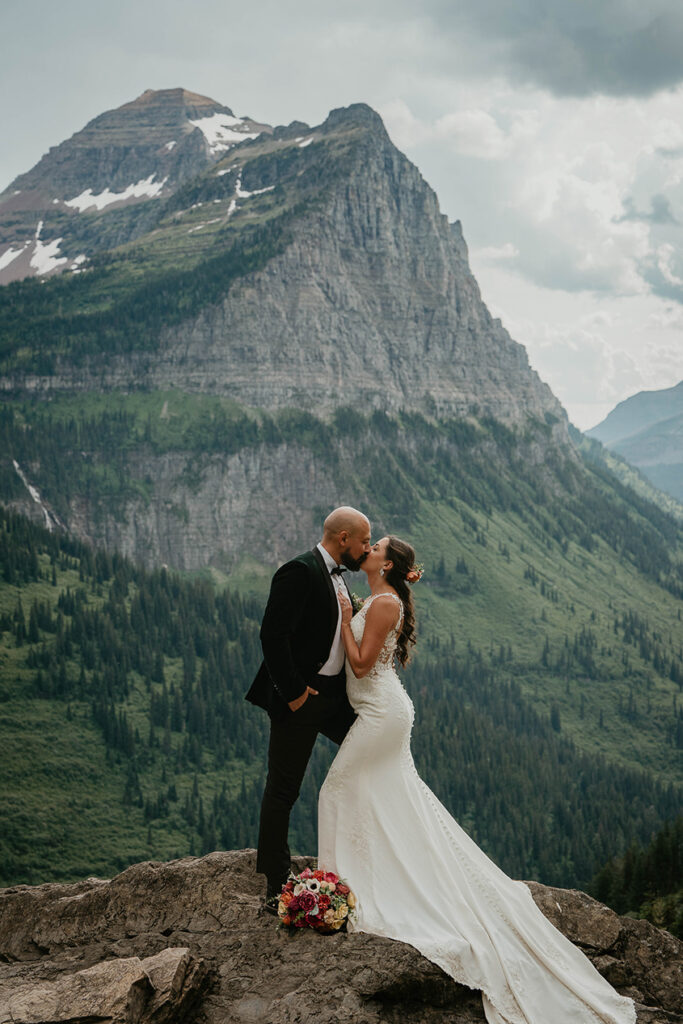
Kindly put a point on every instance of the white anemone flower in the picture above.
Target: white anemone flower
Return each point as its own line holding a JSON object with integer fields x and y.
{"x": 313, "y": 885}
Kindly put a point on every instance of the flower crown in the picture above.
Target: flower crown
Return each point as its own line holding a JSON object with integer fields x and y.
{"x": 416, "y": 573}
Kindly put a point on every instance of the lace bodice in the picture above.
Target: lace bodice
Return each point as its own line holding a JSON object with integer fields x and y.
{"x": 385, "y": 658}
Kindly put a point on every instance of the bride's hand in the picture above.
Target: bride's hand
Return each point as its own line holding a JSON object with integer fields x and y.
{"x": 346, "y": 608}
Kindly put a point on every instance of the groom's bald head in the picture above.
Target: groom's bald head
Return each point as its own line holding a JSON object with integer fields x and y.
{"x": 345, "y": 520}
{"x": 346, "y": 535}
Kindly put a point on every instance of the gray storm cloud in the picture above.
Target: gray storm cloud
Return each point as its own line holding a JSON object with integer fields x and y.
{"x": 660, "y": 211}
{"x": 573, "y": 47}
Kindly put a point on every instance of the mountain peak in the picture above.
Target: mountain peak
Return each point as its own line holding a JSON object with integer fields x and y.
{"x": 152, "y": 95}
{"x": 156, "y": 100}
{"x": 357, "y": 114}
{"x": 127, "y": 156}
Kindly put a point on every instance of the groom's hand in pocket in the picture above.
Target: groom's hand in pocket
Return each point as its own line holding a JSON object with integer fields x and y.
{"x": 294, "y": 705}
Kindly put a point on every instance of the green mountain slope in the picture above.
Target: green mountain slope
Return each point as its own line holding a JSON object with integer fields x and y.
{"x": 546, "y": 681}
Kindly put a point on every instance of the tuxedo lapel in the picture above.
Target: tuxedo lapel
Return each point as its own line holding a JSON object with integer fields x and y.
{"x": 320, "y": 561}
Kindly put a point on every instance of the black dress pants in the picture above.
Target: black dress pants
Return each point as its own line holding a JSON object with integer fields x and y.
{"x": 289, "y": 750}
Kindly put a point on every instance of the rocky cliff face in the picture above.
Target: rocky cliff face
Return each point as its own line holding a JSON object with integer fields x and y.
{"x": 361, "y": 296}
{"x": 55, "y": 216}
{"x": 256, "y": 502}
{"x": 187, "y": 941}
{"x": 371, "y": 303}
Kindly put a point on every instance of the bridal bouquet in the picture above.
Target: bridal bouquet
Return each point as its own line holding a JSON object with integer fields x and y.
{"x": 316, "y": 899}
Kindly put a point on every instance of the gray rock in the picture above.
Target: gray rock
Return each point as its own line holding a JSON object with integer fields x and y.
{"x": 211, "y": 908}
{"x": 157, "y": 990}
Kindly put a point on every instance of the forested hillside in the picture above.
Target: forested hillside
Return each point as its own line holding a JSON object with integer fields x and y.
{"x": 126, "y": 735}
{"x": 647, "y": 881}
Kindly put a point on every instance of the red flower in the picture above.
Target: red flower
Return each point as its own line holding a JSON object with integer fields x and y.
{"x": 324, "y": 902}
{"x": 294, "y": 905}
{"x": 342, "y": 889}
{"x": 331, "y": 877}
{"x": 319, "y": 874}
{"x": 307, "y": 901}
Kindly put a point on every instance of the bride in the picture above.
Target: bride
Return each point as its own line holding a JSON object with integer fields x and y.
{"x": 416, "y": 875}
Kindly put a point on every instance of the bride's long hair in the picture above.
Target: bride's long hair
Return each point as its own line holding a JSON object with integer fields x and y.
{"x": 403, "y": 557}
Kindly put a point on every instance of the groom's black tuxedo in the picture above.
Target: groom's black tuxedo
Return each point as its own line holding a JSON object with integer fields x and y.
{"x": 297, "y": 632}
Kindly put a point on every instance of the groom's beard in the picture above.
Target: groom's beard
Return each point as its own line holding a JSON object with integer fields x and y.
{"x": 353, "y": 564}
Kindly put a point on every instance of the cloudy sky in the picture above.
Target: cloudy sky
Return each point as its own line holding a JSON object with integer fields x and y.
{"x": 553, "y": 129}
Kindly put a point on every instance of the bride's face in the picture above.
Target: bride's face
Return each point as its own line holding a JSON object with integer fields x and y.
{"x": 377, "y": 557}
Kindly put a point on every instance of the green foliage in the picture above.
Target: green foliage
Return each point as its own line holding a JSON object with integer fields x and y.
{"x": 142, "y": 678}
{"x": 647, "y": 881}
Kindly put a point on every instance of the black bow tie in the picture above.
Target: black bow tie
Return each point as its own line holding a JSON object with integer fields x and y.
{"x": 338, "y": 570}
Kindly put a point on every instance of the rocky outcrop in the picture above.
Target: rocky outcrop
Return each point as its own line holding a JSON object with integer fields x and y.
{"x": 161, "y": 989}
{"x": 195, "y": 923}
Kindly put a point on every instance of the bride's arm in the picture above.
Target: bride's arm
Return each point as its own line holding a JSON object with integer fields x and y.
{"x": 380, "y": 618}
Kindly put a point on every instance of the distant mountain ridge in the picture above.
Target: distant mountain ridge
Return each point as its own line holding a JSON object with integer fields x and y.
{"x": 140, "y": 151}
{"x": 647, "y": 430}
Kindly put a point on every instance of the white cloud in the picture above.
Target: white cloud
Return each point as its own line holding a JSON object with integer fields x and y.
{"x": 494, "y": 253}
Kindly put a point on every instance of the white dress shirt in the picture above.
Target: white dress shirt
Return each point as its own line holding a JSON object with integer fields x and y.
{"x": 335, "y": 660}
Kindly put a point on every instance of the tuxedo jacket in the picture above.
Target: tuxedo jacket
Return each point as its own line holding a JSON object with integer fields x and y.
{"x": 297, "y": 631}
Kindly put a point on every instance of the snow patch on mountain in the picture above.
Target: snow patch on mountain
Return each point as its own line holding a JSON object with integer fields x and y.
{"x": 10, "y": 254}
{"x": 145, "y": 187}
{"x": 242, "y": 194}
{"x": 221, "y": 132}
{"x": 44, "y": 257}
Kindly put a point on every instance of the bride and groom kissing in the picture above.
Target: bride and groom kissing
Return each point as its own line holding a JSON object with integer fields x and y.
{"x": 416, "y": 875}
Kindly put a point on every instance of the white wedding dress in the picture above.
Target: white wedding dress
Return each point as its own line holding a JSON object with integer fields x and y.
{"x": 419, "y": 878}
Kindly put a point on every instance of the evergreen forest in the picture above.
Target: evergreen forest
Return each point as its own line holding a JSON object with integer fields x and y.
{"x": 126, "y": 735}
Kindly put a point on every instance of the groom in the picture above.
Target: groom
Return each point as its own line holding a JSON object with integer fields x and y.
{"x": 302, "y": 683}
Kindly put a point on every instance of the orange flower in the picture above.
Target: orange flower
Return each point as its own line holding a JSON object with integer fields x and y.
{"x": 286, "y": 898}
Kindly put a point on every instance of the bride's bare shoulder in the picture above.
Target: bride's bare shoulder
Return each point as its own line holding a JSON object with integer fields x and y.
{"x": 385, "y": 611}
